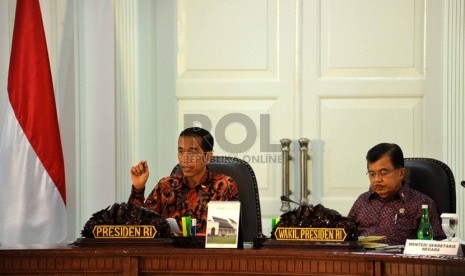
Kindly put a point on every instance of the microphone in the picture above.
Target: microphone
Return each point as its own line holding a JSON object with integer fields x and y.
{"x": 285, "y": 198}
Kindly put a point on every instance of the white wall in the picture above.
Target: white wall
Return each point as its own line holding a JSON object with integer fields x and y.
{"x": 95, "y": 153}
{"x": 5, "y": 36}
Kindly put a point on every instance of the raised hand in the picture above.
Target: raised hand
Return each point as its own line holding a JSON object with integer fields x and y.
{"x": 139, "y": 175}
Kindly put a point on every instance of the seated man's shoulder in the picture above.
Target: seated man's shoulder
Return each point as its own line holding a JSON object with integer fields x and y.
{"x": 364, "y": 195}
{"x": 171, "y": 180}
{"x": 221, "y": 177}
{"x": 421, "y": 196}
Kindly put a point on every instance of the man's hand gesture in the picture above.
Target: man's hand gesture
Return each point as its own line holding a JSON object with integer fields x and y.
{"x": 139, "y": 175}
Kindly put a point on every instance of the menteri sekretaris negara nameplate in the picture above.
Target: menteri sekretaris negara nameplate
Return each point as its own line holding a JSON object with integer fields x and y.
{"x": 124, "y": 231}
{"x": 310, "y": 234}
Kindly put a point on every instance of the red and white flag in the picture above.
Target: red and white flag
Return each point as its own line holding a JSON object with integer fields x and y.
{"x": 32, "y": 176}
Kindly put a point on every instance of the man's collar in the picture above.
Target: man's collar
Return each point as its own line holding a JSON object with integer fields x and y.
{"x": 401, "y": 194}
{"x": 203, "y": 180}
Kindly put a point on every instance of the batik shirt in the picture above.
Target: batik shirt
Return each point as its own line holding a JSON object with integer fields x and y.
{"x": 173, "y": 198}
{"x": 396, "y": 218}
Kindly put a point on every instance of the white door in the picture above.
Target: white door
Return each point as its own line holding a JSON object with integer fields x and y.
{"x": 371, "y": 73}
{"x": 344, "y": 74}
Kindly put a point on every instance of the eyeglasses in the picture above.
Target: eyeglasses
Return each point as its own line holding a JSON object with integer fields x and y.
{"x": 382, "y": 173}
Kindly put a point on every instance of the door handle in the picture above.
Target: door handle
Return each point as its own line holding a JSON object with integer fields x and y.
{"x": 285, "y": 149}
{"x": 304, "y": 157}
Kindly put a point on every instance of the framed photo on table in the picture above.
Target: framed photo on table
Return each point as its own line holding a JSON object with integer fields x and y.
{"x": 223, "y": 224}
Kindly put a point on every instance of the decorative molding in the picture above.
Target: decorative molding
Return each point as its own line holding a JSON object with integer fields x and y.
{"x": 136, "y": 89}
{"x": 246, "y": 51}
{"x": 125, "y": 71}
{"x": 352, "y": 36}
{"x": 454, "y": 99}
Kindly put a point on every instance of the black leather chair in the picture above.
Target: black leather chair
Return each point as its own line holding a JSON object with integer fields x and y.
{"x": 433, "y": 178}
{"x": 251, "y": 221}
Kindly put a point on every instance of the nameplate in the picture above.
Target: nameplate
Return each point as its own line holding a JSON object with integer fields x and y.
{"x": 310, "y": 234}
{"x": 124, "y": 231}
{"x": 429, "y": 247}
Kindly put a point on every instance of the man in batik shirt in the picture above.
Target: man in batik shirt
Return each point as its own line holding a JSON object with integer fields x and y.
{"x": 187, "y": 194}
{"x": 391, "y": 208}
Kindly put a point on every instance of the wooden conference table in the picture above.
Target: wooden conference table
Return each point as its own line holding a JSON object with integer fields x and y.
{"x": 167, "y": 259}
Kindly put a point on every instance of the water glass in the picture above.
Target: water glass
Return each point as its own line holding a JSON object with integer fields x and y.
{"x": 449, "y": 223}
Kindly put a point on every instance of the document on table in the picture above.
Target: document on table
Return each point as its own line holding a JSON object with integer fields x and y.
{"x": 174, "y": 226}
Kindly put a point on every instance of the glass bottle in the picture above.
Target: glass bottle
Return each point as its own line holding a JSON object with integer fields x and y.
{"x": 425, "y": 232}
